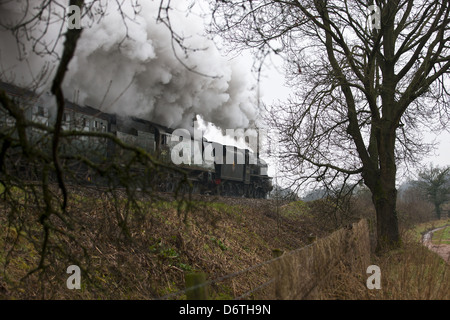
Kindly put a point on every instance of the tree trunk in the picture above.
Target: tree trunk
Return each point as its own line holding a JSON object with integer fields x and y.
{"x": 384, "y": 199}
{"x": 384, "y": 193}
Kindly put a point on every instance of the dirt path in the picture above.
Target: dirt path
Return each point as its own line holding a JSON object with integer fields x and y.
{"x": 441, "y": 249}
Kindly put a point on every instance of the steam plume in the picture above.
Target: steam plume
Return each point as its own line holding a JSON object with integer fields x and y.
{"x": 139, "y": 75}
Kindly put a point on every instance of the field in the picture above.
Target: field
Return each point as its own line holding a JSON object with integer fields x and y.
{"x": 442, "y": 236}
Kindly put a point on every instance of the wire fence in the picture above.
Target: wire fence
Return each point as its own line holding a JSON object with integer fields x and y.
{"x": 299, "y": 274}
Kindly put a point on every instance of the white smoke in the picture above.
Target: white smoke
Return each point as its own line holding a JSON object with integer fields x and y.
{"x": 140, "y": 75}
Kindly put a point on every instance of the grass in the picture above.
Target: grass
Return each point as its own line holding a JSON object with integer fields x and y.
{"x": 441, "y": 236}
{"x": 295, "y": 209}
{"x": 412, "y": 272}
{"x": 215, "y": 237}
{"x": 165, "y": 240}
{"x": 419, "y": 230}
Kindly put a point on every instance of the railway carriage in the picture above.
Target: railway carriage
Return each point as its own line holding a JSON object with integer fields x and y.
{"x": 224, "y": 170}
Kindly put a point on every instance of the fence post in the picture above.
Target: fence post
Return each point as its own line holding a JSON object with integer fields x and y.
{"x": 276, "y": 273}
{"x": 196, "y": 288}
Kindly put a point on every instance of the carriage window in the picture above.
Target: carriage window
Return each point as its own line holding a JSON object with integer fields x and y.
{"x": 40, "y": 111}
{"x": 66, "y": 121}
{"x": 85, "y": 124}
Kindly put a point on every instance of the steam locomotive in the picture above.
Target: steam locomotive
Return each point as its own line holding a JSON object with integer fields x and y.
{"x": 243, "y": 175}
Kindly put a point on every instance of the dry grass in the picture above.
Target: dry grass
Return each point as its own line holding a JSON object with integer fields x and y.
{"x": 148, "y": 257}
{"x": 410, "y": 273}
{"x": 310, "y": 272}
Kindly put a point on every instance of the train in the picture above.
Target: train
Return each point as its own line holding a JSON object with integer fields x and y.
{"x": 245, "y": 174}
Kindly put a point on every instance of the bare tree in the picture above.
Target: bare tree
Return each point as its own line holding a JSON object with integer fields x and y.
{"x": 363, "y": 91}
{"x": 434, "y": 182}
